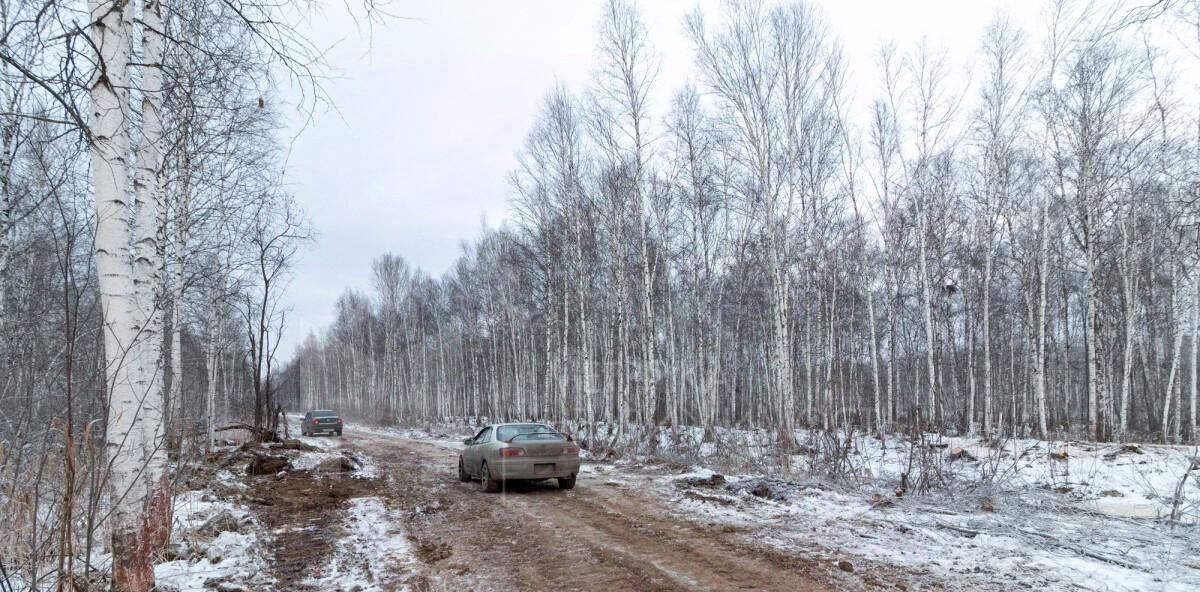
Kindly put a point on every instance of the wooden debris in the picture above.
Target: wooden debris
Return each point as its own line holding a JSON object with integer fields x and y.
{"x": 267, "y": 465}
{"x": 295, "y": 445}
{"x": 962, "y": 454}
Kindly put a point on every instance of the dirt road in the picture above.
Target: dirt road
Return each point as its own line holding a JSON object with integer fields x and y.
{"x": 603, "y": 535}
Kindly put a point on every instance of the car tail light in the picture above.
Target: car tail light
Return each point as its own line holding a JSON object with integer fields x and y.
{"x": 506, "y": 452}
{"x": 571, "y": 450}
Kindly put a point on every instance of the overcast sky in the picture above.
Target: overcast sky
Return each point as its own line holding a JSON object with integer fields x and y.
{"x": 431, "y": 113}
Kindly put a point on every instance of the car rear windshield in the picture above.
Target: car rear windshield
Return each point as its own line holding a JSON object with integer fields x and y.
{"x": 531, "y": 431}
{"x": 324, "y": 414}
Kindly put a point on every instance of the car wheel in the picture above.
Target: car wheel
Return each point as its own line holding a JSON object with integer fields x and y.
{"x": 339, "y": 432}
{"x": 486, "y": 483}
{"x": 462, "y": 471}
{"x": 566, "y": 482}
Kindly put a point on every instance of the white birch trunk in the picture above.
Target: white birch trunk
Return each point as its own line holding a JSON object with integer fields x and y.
{"x": 875, "y": 360}
{"x": 647, "y": 335}
{"x": 138, "y": 479}
{"x": 969, "y": 331}
{"x": 1178, "y": 333}
{"x": 1195, "y": 356}
{"x": 8, "y": 132}
{"x": 585, "y": 337}
{"x": 987, "y": 341}
{"x": 1043, "y": 289}
{"x": 175, "y": 397}
{"x": 210, "y": 395}
{"x": 1130, "y": 313}
{"x": 927, "y": 305}
{"x": 1093, "y": 322}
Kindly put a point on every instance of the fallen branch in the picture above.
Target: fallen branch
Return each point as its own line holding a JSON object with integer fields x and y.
{"x": 1051, "y": 539}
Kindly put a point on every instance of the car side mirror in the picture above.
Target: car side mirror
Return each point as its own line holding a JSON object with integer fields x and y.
{"x": 469, "y": 441}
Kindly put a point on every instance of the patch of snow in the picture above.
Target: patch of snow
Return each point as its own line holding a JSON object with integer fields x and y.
{"x": 322, "y": 442}
{"x": 698, "y": 473}
{"x": 229, "y": 557}
{"x": 441, "y": 438}
{"x": 192, "y": 508}
{"x": 372, "y": 556}
{"x": 17, "y": 583}
{"x": 366, "y": 469}
{"x": 308, "y": 460}
{"x": 227, "y": 478}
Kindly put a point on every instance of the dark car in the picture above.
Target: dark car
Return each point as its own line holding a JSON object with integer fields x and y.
{"x": 321, "y": 421}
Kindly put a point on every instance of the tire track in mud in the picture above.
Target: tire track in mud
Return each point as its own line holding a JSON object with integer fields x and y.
{"x": 303, "y": 515}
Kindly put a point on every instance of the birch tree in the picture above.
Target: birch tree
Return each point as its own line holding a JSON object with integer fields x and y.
{"x": 126, "y": 261}
{"x": 626, "y": 73}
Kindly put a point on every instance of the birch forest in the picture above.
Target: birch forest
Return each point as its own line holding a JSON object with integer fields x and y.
{"x": 1009, "y": 248}
{"x": 1015, "y": 254}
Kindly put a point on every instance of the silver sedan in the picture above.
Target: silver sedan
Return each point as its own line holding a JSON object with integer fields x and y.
{"x": 518, "y": 451}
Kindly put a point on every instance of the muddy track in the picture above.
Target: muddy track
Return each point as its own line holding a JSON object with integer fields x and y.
{"x": 302, "y": 514}
{"x": 601, "y": 536}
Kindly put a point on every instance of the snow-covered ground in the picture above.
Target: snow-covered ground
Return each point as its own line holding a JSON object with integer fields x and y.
{"x": 999, "y": 516}
{"x": 328, "y": 449}
{"x": 1052, "y": 515}
{"x": 1027, "y": 541}
{"x": 371, "y": 555}
{"x": 450, "y": 437}
{"x": 1017, "y": 513}
{"x": 216, "y": 545}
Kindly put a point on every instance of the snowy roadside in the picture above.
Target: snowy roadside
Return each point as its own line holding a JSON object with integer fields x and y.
{"x": 1057, "y": 516}
{"x": 442, "y": 438}
{"x": 1024, "y": 542}
{"x": 215, "y": 544}
{"x": 1028, "y": 513}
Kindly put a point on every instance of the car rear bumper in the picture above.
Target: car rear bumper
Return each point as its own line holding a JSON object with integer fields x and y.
{"x": 536, "y": 468}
